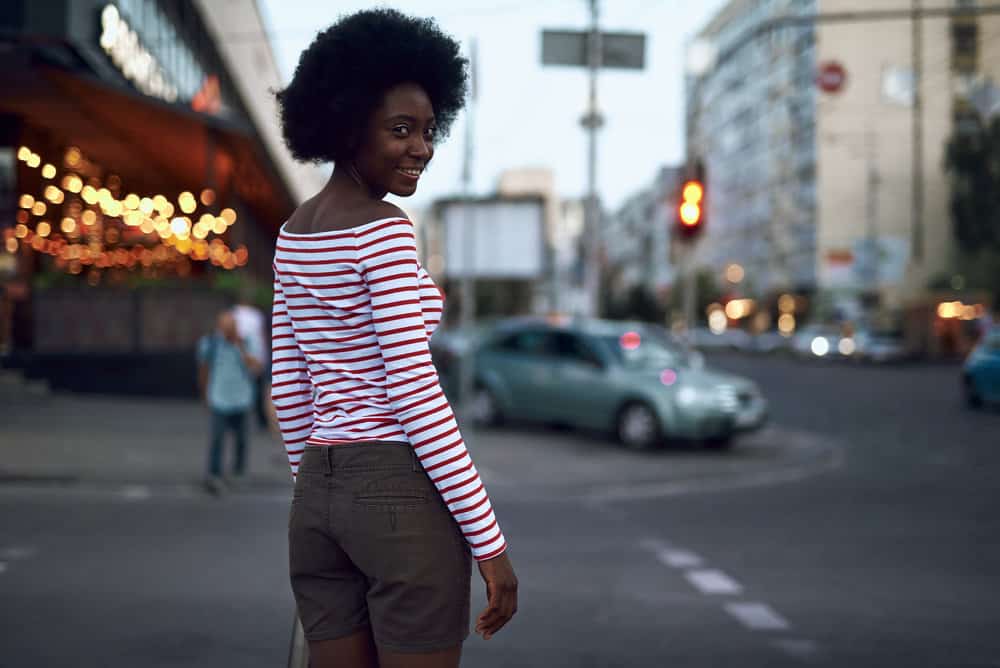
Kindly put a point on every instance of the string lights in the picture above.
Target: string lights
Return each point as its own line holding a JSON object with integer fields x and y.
{"x": 86, "y": 226}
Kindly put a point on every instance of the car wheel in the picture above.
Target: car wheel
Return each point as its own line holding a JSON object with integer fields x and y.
{"x": 719, "y": 442}
{"x": 638, "y": 427}
{"x": 485, "y": 409}
{"x": 972, "y": 398}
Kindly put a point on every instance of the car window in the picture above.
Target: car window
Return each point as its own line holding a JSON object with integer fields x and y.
{"x": 573, "y": 348}
{"x": 643, "y": 351}
{"x": 530, "y": 342}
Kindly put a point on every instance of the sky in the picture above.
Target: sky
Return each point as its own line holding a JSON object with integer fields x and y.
{"x": 526, "y": 114}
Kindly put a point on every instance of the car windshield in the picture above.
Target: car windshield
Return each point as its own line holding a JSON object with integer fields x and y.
{"x": 642, "y": 349}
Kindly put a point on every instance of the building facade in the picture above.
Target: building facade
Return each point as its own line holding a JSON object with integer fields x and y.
{"x": 636, "y": 240}
{"x": 824, "y": 168}
{"x": 751, "y": 123}
{"x": 143, "y": 171}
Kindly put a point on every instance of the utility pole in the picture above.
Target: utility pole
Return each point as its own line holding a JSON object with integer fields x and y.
{"x": 872, "y": 270}
{"x": 596, "y": 51}
{"x": 592, "y": 121}
{"x": 917, "y": 170}
{"x": 466, "y": 367}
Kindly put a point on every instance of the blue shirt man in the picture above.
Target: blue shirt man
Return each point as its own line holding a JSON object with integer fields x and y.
{"x": 227, "y": 372}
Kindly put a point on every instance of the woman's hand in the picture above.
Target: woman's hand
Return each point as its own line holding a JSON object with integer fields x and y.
{"x": 501, "y": 595}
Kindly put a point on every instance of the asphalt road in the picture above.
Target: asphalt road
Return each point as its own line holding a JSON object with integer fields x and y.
{"x": 884, "y": 553}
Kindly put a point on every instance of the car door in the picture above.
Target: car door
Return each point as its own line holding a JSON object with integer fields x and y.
{"x": 520, "y": 363}
{"x": 578, "y": 392}
{"x": 988, "y": 368}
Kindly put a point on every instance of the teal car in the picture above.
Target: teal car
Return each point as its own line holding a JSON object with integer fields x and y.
{"x": 981, "y": 371}
{"x": 627, "y": 378}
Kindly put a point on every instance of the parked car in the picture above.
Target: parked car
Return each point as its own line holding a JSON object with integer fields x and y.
{"x": 770, "y": 342}
{"x": 728, "y": 339}
{"x": 981, "y": 371}
{"x": 627, "y": 378}
{"x": 822, "y": 341}
{"x": 879, "y": 346}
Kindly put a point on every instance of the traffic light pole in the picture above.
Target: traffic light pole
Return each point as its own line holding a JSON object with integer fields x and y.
{"x": 689, "y": 294}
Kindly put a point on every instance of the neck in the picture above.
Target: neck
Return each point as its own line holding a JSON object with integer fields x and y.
{"x": 345, "y": 181}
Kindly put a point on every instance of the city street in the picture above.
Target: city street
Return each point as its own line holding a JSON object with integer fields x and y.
{"x": 858, "y": 529}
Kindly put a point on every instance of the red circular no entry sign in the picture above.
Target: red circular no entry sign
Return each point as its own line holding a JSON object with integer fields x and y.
{"x": 831, "y": 77}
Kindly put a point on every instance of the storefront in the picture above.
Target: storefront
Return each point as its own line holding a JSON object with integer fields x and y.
{"x": 136, "y": 195}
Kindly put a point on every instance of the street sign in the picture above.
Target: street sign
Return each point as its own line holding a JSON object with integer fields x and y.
{"x": 619, "y": 50}
{"x": 831, "y": 77}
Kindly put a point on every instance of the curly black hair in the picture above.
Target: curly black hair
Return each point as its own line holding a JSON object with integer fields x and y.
{"x": 342, "y": 76}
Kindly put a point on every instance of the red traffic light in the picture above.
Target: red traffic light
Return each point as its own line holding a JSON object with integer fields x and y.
{"x": 690, "y": 211}
{"x": 690, "y": 214}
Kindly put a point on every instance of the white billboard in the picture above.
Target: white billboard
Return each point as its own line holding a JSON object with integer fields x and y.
{"x": 493, "y": 238}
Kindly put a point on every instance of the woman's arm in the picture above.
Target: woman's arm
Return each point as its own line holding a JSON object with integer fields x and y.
{"x": 388, "y": 258}
{"x": 291, "y": 385}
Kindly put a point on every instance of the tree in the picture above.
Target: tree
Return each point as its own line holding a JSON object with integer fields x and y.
{"x": 972, "y": 160}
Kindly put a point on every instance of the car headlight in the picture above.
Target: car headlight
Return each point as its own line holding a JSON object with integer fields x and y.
{"x": 846, "y": 346}
{"x": 820, "y": 346}
{"x": 687, "y": 396}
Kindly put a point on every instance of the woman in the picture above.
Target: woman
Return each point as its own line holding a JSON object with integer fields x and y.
{"x": 388, "y": 507}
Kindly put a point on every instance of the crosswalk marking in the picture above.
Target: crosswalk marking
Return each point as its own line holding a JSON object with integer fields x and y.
{"x": 678, "y": 558}
{"x": 757, "y": 616}
{"x": 710, "y": 581}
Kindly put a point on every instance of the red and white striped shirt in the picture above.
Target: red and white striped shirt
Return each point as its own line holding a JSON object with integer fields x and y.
{"x": 353, "y": 312}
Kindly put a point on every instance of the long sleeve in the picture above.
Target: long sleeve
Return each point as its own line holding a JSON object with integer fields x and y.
{"x": 291, "y": 385}
{"x": 390, "y": 270}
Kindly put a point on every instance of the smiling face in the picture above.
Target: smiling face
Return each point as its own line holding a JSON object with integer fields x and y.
{"x": 398, "y": 143}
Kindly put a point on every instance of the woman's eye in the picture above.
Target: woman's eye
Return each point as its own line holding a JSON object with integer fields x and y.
{"x": 430, "y": 132}
{"x": 401, "y": 131}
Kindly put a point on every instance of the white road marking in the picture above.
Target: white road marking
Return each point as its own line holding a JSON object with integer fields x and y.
{"x": 16, "y": 552}
{"x": 654, "y": 490}
{"x": 797, "y": 647}
{"x": 757, "y": 616}
{"x": 678, "y": 558}
{"x": 710, "y": 581}
{"x": 136, "y": 492}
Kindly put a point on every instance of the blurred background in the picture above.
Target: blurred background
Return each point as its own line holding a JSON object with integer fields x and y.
{"x": 721, "y": 325}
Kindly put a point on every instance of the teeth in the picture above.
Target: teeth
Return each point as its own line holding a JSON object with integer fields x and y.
{"x": 410, "y": 172}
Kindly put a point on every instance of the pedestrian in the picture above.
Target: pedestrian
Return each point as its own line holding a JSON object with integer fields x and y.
{"x": 388, "y": 510}
{"x": 226, "y": 367}
{"x": 250, "y": 325}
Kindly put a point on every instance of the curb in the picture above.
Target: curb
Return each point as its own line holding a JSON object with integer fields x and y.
{"x": 802, "y": 455}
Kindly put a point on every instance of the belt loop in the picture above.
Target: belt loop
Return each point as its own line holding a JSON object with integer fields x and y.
{"x": 414, "y": 459}
{"x": 329, "y": 459}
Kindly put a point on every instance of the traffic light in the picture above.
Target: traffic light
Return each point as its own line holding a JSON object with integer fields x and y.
{"x": 691, "y": 209}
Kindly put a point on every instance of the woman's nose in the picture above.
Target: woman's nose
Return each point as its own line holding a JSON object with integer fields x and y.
{"x": 421, "y": 148}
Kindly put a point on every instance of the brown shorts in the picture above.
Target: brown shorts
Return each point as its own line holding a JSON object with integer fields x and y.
{"x": 371, "y": 543}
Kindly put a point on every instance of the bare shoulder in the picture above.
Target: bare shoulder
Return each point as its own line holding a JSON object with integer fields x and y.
{"x": 316, "y": 217}
{"x": 381, "y": 209}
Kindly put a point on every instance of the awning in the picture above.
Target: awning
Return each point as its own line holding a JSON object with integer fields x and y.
{"x": 154, "y": 146}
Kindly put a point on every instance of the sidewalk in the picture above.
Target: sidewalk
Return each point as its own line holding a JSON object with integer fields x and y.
{"x": 65, "y": 438}
{"x": 70, "y": 438}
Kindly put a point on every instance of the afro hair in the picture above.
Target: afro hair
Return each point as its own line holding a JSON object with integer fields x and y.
{"x": 342, "y": 76}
